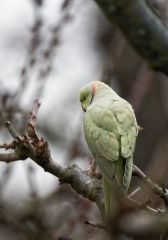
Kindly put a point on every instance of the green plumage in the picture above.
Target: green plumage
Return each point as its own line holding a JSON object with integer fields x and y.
{"x": 110, "y": 130}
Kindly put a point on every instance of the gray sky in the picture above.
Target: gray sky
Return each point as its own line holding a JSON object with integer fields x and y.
{"x": 76, "y": 62}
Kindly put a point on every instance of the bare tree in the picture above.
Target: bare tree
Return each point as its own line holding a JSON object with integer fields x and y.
{"x": 134, "y": 46}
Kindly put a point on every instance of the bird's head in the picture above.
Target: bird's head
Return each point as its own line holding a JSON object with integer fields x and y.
{"x": 87, "y": 94}
{"x": 92, "y": 91}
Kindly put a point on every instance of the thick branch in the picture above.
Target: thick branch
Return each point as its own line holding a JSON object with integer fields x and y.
{"x": 142, "y": 28}
{"x": 32, "y": 146}
{"x": 89, "y": 187}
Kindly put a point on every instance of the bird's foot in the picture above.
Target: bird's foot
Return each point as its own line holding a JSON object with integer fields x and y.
{"x": 92, "y": 170}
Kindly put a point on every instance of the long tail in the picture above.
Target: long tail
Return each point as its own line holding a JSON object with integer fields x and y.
{"x": 111, "y": 204}
{"x": 110, "y": 198}
{"x": 121, "y": 180}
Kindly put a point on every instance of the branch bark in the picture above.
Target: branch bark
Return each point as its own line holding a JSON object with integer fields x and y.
{"x": 142, "y": 28}
{"x": 36, "y": 148}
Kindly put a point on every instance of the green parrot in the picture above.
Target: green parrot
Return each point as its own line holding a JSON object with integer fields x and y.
{"x": 110, "y": 130}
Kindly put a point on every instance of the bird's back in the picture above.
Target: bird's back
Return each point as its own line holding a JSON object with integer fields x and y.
{"x": 110, "y": 130}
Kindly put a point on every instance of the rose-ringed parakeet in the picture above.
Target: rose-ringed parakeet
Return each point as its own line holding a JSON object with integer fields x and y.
{"x": 110, "y": 130}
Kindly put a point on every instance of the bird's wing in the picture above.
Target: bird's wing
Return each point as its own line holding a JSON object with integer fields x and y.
{"x": 101, "y": 141}
{"x": 127, "y": 128}
{"x": 116, "y": 129}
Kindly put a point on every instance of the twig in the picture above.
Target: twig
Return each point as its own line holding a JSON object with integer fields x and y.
{"x": 12, "y": 130}
{"x": 33, "y": 113}
{"x": 144, "y": 206}
{"x": 162, "y": 192}
{"x": 95, "y": 225}
{"x": 31, "y": 181}
{"x": 9, "y": 157}
{"x": 134, "y": 192}
{"x": 7, "y": 146}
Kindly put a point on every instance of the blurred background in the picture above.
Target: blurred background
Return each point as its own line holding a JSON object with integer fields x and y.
{"x": 48, "y": 50}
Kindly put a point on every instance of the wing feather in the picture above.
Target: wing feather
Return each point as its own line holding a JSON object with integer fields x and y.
{"x": 116, "y": 129}
{"x": 111, "y": 131}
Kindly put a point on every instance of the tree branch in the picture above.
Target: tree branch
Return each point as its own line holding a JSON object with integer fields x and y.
{"x": 87, "y": 186}
{"x": 10, "y": 157}
{"x": 142, "y": 28}
{"x": 162, "y": 192}
{"x": 30, "y": 145}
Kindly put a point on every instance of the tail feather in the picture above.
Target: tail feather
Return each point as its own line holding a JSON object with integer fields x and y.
{"x": 122, "y": 178}
{"x": 127, "y": 173}
{"x": 110, "y": 198}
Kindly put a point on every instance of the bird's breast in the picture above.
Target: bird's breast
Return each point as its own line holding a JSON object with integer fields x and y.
{"x": 91, "y": 133}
